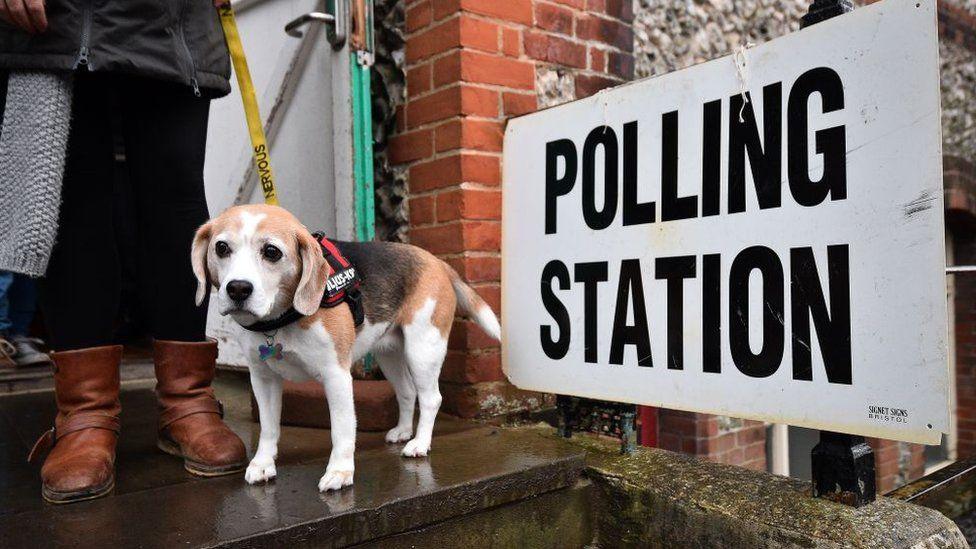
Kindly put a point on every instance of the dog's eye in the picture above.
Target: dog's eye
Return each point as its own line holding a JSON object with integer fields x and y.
{"x": 271, "y": 253}
{"x": 222, "y": 249}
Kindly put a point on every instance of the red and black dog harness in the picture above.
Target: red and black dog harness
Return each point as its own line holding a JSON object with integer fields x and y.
{"x": 342, "y": 286}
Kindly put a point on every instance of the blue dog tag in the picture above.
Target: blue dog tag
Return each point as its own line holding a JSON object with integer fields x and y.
{"x": 270, "y": 351}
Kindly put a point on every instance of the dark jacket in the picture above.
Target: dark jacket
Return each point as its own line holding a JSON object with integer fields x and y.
{"x": 172, "y": 40}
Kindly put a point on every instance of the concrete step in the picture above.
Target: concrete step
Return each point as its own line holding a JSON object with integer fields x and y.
{"x": 554, "y": 520}
{"x": 473, "y": 469}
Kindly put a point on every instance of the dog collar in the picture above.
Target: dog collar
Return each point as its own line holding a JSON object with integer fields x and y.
{"x": 342, "y": 286}
{"x": 288, "y": 317}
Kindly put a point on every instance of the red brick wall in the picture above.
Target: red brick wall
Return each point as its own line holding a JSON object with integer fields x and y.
{"x": 957, "y": 25}
{"x": 470, "y": 65}
{"x": 719, "y": 439}
{"x": 960, "y": 182}
{"x": 896, "y": 463}
{"x": 965, "y": 251}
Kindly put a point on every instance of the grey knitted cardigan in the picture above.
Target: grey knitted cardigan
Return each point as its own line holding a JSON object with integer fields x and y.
{"x": 164, "y": 40}
{"x": 33, "y": 142}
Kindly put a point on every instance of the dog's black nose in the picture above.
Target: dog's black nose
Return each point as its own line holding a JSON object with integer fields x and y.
{"x": 239, "y": 290}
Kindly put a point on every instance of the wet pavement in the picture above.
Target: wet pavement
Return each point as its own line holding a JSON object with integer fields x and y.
{"x": 157, "y": 504}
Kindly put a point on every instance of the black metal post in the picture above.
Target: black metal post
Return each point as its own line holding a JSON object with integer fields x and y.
{"x": 825, "y": 9}
{"x": 843, "y": 465}
{"x": 843, "y": 469}
{"x": 564, "y": 406}
{"x": 628, "y": 432}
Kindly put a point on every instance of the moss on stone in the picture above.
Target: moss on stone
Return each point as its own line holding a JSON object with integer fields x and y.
{"x": 656, "y": 498}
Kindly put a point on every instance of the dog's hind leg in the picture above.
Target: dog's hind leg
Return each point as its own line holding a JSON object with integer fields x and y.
{"x": 394, "y": 367}
{"x": 337, "y": 380}
{"x": 424, "y": 348}
{"x": 267, "y": 392}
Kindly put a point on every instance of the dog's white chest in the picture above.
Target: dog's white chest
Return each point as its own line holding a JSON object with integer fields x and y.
{"x": 304, "y": 352}
{"x": 289, "y": 368}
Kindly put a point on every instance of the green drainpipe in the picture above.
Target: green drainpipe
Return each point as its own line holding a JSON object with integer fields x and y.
{"x": 362, "y": 150}
{"x": 362, "y": 143}
{"x": 362, "y": 116}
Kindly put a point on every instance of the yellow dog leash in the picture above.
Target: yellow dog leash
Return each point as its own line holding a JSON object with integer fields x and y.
{"x": 259, "y": 143}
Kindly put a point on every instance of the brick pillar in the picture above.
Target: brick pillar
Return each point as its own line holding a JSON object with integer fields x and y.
{"x": 965, "y": 252}
{"x": 716, "y": 438}
{"x": 470, "y": 65}
{"x": 957, "y": 24}
{"x": 960, "y": 183}
{"x": 896, "y": 463}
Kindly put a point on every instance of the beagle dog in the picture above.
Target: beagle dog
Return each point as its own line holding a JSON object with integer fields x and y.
{"x": 263, "y": 262}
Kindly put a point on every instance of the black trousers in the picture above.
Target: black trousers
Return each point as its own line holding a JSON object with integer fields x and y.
{"x": 163, "y": 131}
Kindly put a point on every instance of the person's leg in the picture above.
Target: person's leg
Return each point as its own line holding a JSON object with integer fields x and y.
{"x": 165, "y": 129}
{"x": 23, "y": 304}
{"x": 6, "y": 278}
{"x": 6, "y": 281}
{"x": 7, "y": 349}
{"x": 79, "y": 294}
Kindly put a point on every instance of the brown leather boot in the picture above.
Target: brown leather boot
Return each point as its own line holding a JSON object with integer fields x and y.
{"x": 190, "y": 417}
{"x": 81, "y": 464}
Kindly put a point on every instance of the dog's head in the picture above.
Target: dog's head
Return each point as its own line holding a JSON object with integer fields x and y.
{"x": 261, "y": 260}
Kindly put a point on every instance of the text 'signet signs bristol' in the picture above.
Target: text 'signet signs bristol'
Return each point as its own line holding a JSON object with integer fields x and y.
{"x": 758, "y": 236}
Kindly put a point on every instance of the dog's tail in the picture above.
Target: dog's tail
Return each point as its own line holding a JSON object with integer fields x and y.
{"x": 472, "y": 304}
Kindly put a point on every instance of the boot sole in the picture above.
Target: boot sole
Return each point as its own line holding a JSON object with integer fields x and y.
{"x": 197, "y": 468}
{"x": 61, "y": 498}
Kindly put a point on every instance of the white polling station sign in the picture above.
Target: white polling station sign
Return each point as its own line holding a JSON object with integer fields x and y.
{"x": 668, "y": 243}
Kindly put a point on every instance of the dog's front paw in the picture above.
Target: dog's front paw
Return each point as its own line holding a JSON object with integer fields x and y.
{"x": 399, "y": 434}
{"x": 416, "y": 448}
{"x": 260, "y": 470}
{"x": 335, "y": 480}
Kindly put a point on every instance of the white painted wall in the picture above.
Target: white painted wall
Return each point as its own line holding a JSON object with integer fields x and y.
{"x": 298, "y": 82}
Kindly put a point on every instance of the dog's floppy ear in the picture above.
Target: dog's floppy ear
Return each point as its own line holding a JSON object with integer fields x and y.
{"x": 315, "y": 271}
{"x": 198, "y": 257}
